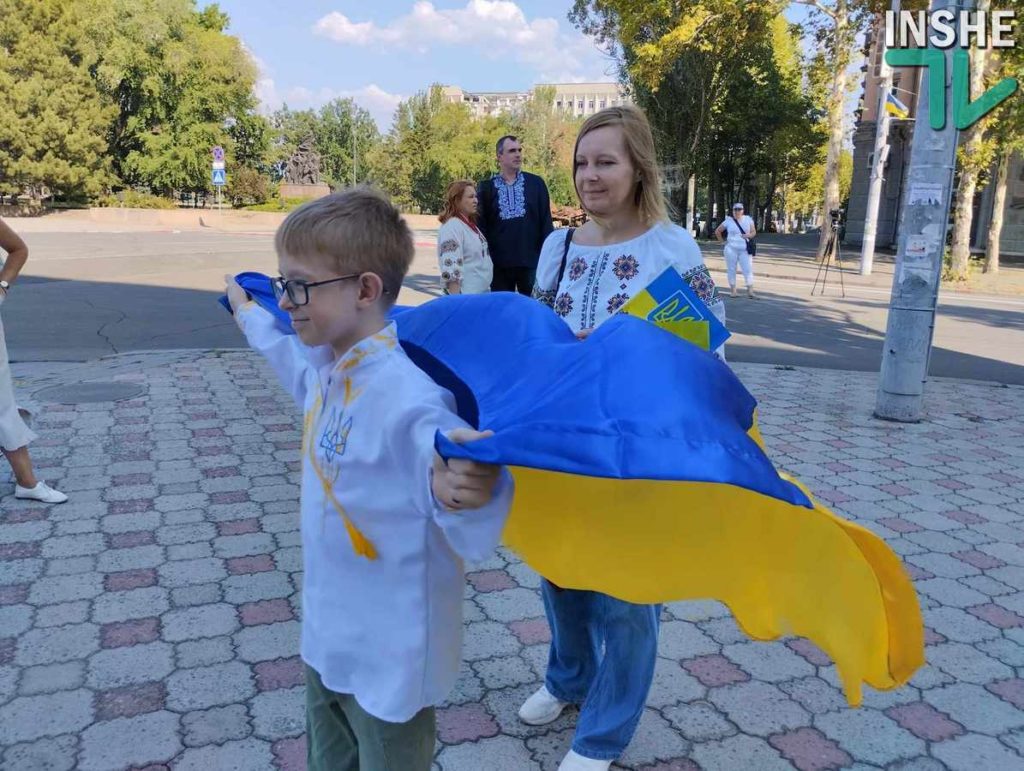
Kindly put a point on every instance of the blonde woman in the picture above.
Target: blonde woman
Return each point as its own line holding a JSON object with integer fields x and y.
{"x": 461, "y": 248}
{"x": 14, "y": 434}
{"x": 603, "y": 650}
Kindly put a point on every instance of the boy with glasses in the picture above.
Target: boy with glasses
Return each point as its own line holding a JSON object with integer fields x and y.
{"x": 386, "y": 523}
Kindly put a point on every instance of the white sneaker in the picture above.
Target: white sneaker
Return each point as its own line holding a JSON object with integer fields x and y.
{"x": 541, "y": 708}
{"x": 574, "y": 762}
{"x": 41, "y": 492}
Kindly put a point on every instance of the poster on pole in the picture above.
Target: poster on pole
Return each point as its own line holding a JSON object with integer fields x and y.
{"x": 925, "y": 194}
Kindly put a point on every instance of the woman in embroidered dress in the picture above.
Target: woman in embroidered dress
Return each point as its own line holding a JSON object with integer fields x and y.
{"x": 14, "y": 434}
{"x": 461, "y": 248}
{"x": 586, "y": 275}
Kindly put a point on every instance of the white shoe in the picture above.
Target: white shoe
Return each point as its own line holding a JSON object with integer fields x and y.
{"x": 574, "y": 762}
{"x": 41, "y": 492}
{"x": 541, "y": 708}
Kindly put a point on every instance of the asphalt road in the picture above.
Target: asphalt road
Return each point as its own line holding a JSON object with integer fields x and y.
{"x": 85, "y": 295}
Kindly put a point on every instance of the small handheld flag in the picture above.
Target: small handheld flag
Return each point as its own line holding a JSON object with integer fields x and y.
{"x": 895, "y": 107}
{"x": 670, "y": 303}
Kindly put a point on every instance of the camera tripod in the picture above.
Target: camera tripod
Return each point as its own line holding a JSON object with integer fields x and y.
{"x": 832, "y": 252}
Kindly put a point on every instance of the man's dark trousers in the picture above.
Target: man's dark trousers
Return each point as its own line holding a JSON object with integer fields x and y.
{"x": 518, "y": 279}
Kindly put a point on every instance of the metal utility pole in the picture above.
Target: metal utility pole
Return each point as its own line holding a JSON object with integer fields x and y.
{"x": 922, "y": 243}
{"x": 882, "y": 122}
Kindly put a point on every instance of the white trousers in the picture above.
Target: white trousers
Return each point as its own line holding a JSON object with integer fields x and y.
{"x": 737, "y": 253}
{"x": 14, "y": 434}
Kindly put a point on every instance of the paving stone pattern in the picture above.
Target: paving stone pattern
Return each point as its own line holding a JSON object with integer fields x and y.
{"x": 152, "y": 622}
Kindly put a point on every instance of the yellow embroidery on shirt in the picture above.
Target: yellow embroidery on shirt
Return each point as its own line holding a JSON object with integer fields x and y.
{"x": 360, "y": 543}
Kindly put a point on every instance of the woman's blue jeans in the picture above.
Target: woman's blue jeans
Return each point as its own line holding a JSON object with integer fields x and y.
{"x": 602, "y": 657}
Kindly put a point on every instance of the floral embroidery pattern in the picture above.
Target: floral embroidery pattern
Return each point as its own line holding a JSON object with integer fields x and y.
{"x": 544, "y": 296}
{"x": 616, "y": 301}
{"x": 576, "y": 268}
{"x": 563, "y": 305}
{"x": 626, "y": 267}
{"x": 450, "y": 252}
{"x": 700, "y": 281}
{"x": 511, "y": 198}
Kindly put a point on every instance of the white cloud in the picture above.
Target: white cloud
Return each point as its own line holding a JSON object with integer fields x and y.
{"x": 374, "y": 99}
{"x": 494, "y": 28}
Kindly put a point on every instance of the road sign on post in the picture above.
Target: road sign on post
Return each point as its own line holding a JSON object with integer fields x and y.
{"x": 218, "y": 154}
{"x": 219, "y": 177}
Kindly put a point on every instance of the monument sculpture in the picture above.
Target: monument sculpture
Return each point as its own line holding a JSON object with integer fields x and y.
{"x": 302, "y": 173}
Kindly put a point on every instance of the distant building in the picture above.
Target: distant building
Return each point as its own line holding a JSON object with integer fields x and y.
{"x": 576, "y": 99}
{"x": 906, "y": 84}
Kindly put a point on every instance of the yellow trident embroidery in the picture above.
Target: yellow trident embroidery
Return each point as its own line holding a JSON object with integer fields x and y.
{"x": 360, "y": 543}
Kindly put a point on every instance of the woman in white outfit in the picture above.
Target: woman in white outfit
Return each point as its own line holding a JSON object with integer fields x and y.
{"x": 739, "y": 229}
{"x": 462, "y": 254}
{"x": 14, "y": 434}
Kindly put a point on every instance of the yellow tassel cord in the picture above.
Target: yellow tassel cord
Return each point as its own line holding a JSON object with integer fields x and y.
{"x": 360, "y": 543}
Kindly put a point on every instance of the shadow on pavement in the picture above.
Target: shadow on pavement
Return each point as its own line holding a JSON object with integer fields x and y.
{"x": 69, "y": 320}
{"x": 804, "y": 333}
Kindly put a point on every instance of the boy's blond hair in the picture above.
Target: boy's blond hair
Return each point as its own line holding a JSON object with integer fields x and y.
{"x": 356, "y": 230}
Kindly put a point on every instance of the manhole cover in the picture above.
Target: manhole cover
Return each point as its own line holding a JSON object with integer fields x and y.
{"x": 86, "y": 393}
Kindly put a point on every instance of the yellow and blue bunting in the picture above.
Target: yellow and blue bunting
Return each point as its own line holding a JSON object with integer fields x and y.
{"x": 640, "y": 473}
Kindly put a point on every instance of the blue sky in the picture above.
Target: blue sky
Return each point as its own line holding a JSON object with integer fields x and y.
{"x": 380, "y": 52}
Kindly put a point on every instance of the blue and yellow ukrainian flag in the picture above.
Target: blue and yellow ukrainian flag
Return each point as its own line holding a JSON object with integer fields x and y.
{"x": 639, "y": 473}
{"x": 668, "y": 302}
{"x": 895, "y": 107}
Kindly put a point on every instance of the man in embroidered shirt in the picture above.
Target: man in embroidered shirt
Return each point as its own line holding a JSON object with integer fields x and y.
{"x": 515, "y": 217}
{"x": 386, "y": 524}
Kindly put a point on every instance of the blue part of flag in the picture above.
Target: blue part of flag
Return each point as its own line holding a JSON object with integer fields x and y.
{"x": 630, "y": 402}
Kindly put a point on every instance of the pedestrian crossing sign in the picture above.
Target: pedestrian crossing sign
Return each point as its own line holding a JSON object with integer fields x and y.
{"x": 219, "y": 177}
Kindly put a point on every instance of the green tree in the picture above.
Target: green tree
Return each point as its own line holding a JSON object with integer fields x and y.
{"x": 339, "y": 129}
{"x": 176, "y": 78}
{"x": 722, "y": 84}
{"x": 344, "y": 134}
{"x": 1004, "y": 136}
{"x": 52, "y": 118}
{"x": 431, "y": 143}
{"x": 247, "y": 186}
{"x": 548, "y": 139}
{"x": 251, "y": 136}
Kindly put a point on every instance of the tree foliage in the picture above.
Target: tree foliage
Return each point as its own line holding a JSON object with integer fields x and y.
{"x": 104, "y": 94}
{"x": 433, "y": 141}
{"x": 344, "y": 135}
{"x": 52, "y": 119}
{"x": 723, "y": 83}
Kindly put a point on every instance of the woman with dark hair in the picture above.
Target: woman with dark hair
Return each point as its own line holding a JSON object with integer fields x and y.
{"x": 461, "y": 248}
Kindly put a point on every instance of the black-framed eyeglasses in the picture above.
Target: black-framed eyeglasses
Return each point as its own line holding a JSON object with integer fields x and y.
{"x": 298, "y": 290}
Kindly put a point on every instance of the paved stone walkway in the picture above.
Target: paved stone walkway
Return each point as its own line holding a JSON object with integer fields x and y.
{"x": 152, "y": 621}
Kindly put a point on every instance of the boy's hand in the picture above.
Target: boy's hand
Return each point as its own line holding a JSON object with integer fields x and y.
{"x": 464, "y": 484}
{"x": 583, "y": 334}
{"x": 236, "y": 295}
